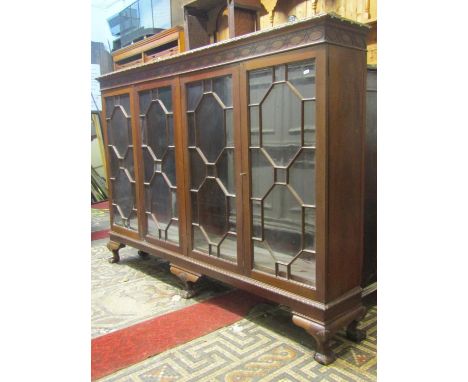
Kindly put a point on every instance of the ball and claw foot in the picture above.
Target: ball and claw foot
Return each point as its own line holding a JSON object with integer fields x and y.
{"x": 114, "y": 247}
{"x": 144, "y": 255}
{"x": 355, "y": 334}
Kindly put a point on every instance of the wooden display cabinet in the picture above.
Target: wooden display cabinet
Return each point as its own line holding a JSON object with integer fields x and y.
{"x": 244, "y": 161}
{"x": 169, "y": 42}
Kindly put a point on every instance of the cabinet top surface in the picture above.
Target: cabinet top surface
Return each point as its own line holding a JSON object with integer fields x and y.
{"x": 321, "y": 28}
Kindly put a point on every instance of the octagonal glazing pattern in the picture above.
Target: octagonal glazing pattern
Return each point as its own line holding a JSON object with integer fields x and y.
{"x": 282, "y": 164}
{"x": 212, "y": 167}
{"x": 120, "y": 154}
{"x": 159, "y": 164}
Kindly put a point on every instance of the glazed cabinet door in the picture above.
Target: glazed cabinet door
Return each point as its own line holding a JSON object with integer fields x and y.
{"x": 212, "y": 149}
{"x": 160, "y": 163}
{"x": 120, "y": 151}
{"x": 281, "y": 138}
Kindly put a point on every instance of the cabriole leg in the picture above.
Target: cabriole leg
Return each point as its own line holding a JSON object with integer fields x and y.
{"x": 114, "y": 247}
{"x": 323, "y": 333}
{"x": 188, "y": 279}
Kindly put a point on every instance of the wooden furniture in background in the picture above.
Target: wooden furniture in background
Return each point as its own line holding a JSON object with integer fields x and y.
{"x": 207, "y": 22}
{"x": 166, "y": 43}
{"x": 244, "y": 162}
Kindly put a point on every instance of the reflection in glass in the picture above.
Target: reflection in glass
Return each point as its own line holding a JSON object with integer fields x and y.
{"x": 302, "y": 77}
{"x": 157, "y": 132}
{"x": 212, "y": 169}
{"x": 121, "y": 164}
{"x": 197, "y": 169}
{"x": 119, "y": 131}
{"x": 283, "y": 170}
{"x": 209, "y": 118}
{"x": 302, "y": 176}
{"x": 309, "y": 123}
{"x": 225, "y": 166}
{"x": 281, "y": 124}
{"x": 156, "y": 129}
{"x": 122, "y": 194}
{"x": 213, "y": 209}
{"x": 262, "y": 173}
{"x": 194, "y": 93}
{"x": 259, "y": 82}
{"x": 222, "y": 86}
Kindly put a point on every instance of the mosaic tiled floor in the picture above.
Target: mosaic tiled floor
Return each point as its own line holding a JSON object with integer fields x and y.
{"x": 265, "y": 346}
{"x": 134, "y": 289}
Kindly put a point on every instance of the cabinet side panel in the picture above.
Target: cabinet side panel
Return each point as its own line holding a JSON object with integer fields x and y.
{"x": 346, "y": 122}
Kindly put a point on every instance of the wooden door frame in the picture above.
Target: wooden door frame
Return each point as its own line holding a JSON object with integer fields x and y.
{"x": 318, "y": 53}
{"x": 112, "y": 93}
{"x": 173, "y": 82}
{"x": 232, "y": 70}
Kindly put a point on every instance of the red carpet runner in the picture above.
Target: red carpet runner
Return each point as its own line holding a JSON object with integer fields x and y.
{"x": 96, "y": 235}
{"x": 125, "y": 347}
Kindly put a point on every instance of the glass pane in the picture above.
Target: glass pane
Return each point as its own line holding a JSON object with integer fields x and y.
{"x": 199, "y": 241}
{"x": 213, "y": 210}
{"x": 280, "y": 73}
{"x": 207, "y": 86}
{"x": 161, "y": 200}
{"x": 309, "y": 229}
{"x": 212, "y": 169}
{"x": 114, "y": 163}
{"x": 170, "y": 130}
{"x": 165, "y": 96}
{"x": 157, "y": 129}
{"x": 257, "y": 219}
{"x": 117, "y": 218}
{"x": 302, "y": 176}
{"x": 222, "y": 86}
{"x": 119, "y": 131}
{"x": 122, "y": 193}
{"x": 225, "y": 166}
{"x": 197, "y": 169}
{"x": 309, "y": 123}
{"x": 262, "y": 173}
{"x": 127, "y": 163}
{"x": 191, "y": 129}
{"x": 168, "y": 166}
{"x": 263, "y": 259}
{"x": 209, "y": 118}
{"x": 229, "y": 128}
{"x": 254, "y": 125}
{"x": 302, "y": 77}
{"x": 303, "y": 268}
{"x": 124, "y": 101}
{"x": 173, "y": 232}
{"x": 194, "y": 93}
{"x": 109, "y": 106}
{"x": 282, "y": 223}
{"x": 145, "y": 100}
{"x": 281, "y": 124}
{"x": 259, "y": 82}
{"x": 232, "y": 214}
{"x": 159, "y": 167}
{"x": 152, "y": 227}
{"x": 228, "y": 248}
